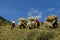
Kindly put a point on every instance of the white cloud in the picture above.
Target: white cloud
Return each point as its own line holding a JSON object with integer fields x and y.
{"x": 34, "y": 13}
{"x": 39, "y": 17}
{"x": 37, "y": 13}
{"x": 51, "y": 9}
{"x": 55, "y": 11}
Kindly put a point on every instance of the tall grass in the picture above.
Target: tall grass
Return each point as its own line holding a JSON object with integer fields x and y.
{"x": 41, "y": 33}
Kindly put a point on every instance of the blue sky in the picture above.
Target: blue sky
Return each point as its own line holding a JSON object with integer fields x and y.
{"x": 14, "y": 9}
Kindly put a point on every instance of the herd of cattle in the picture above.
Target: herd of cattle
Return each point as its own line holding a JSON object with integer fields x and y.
{"x": 33, "y": 22}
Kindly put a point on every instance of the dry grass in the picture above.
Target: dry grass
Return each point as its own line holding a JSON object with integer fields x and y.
{"x": 41, "y": 33}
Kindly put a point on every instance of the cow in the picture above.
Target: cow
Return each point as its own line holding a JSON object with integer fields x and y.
{"x": 31, "y": 23}
{"x": 22, "y": 22}
{"x": 13, "y": 24}
{"x": 53, "y": 19}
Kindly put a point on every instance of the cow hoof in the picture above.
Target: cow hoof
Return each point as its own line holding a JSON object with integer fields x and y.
{"x": 30, "y": 28}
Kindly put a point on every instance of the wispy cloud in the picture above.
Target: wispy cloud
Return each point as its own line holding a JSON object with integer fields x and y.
{"x": 35, "y": 13}
{"x": 54, "y": 10}
{"x": 57, "y": 12}
{"x": 51, "y": 9}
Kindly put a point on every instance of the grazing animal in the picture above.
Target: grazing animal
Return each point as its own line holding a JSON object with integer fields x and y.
{"x": 13, "y": 24}
{"x": 22, "y": 22}
{"x": 31, "y": 23}
{"x": 53, "y": 20}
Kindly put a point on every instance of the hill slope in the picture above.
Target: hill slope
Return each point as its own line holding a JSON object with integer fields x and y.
{"x": 3, "y": 21}
{"x": 41, "y": 33}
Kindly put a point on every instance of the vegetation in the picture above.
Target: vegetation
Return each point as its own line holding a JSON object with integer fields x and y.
{"x": 42, "y": 33}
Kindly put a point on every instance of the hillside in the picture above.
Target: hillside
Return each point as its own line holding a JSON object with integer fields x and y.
{"x": 3, "y": 21}
{"x": 42, "y": 33}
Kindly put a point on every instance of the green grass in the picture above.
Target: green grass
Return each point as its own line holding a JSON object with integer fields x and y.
{"x": 41, "y": 33}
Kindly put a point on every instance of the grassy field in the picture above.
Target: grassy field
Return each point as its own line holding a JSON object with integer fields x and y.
{"x": 41, "y": 33}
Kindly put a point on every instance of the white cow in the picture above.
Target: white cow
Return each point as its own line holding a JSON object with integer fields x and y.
{"x": 22, "y": 22}
{"x": 31, "y": 23}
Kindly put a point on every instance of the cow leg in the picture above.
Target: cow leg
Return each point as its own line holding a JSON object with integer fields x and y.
{"x": 30, "y": 27}
{"x": 13, "y": 25}
{"x": 23, "y": 26}
{"x": 54, "y": 25}
{"x": 20, "y": 26}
